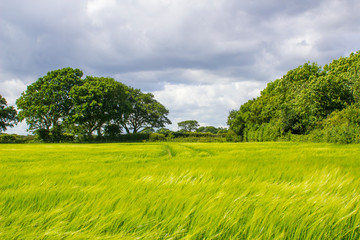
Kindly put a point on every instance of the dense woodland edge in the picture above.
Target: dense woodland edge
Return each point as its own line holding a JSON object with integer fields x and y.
{"x": 309, "y": 103}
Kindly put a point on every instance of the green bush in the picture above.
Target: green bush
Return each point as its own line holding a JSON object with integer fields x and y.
{"x": 231, "y": 136}
{"x": 12, "y": 138}
{"x": 134, "y": 137}
{"x": 342, "y": 126}
{"x": 112, "y": 131}
{"x": 42, "y": 135}
{"x": 156, "y": 137}
{"x": 67, "y": 137}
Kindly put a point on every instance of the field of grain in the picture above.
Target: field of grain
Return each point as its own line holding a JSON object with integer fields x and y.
{"x": 180, "y": 191}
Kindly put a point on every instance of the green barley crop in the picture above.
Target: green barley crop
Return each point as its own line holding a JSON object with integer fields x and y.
{"x": 180, "y": 191}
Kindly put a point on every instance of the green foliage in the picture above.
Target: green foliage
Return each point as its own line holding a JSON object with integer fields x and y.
{"x": 148, "y": 130}
{"x": 144, "y": 112}
{"x": 180, "y": 191}
{"x": 46, "y": 103}
{"x": 7, "y": 115}
{"x": 42, "y": 135}
{"x": 300, "y": 102}
{"x": 182, "y": 136}
{"x": 55, "y": 135}
{"x": 207, "y": 129}
{"x": 134, "y": 137}
{"x": 112, "y": 131}
{"x": 156, "y": 137}
{"x": 164, "y": 131}
{"x": 98, "y": 101}
{"x": 342, "y": 126}
{"x": 194, "y": 134}
{"x": 211, "y": 129}
{"x": 231, "y": 136}
{"x": 14, "y": 138}
{"x": 188, "y": 125}
{"x": 61, "y": 104}
{"x": 222, "y": 130}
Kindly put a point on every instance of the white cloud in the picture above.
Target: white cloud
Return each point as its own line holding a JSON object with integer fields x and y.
{"x": 20, "y": 129}
{"x": 11, "y": 90}
{"x": 205, "y": 53}
{"x": 208, "y": 104}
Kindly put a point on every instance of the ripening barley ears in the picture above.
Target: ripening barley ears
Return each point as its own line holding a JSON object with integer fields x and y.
{"x": 180, "y": 191}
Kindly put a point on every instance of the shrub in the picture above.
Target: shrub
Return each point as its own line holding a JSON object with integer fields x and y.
{"x": 42, "y": 135}
{"x": 156, "y": 137}
{"x": 231, "y": 136}
{"x": 134, "y": 137}
{"x": 12, "y": 138}
{"x": 112, "y": 131}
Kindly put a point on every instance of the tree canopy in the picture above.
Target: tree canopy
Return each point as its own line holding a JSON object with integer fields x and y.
{"x": 7, "y": 115}
{"x": 145, "y": 112}
{"x": 188, "y": 125}
{"x": 321, "y": 103}
{"x": 96, "y": 102}
{"x": 301, "y": 102}
{"x": 62, "y": 102}
{"x": 46, "y": 103}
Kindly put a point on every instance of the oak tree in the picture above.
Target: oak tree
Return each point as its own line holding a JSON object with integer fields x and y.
{"x": 188, "y": 125}
{"x": 97, "y": 102}
{"x": 144, "y": 112}
{"x": 46, "y": 103}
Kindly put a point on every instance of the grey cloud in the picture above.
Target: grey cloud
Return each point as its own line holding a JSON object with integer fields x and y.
{"x": 51, "y": 36}
{"x": 38, "y": 36}
{"x": 148, "y": 44}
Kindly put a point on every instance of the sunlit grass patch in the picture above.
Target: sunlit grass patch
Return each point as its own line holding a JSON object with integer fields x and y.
{"x": 180, "y": 190}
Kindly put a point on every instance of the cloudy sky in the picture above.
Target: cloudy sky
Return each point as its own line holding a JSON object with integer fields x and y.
{"x": 200, "y": 58}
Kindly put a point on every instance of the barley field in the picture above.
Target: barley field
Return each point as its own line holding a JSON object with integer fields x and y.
{"x": 180, "y": 191}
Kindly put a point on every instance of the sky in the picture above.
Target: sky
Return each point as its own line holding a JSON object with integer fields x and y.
{"x": 200, "y": 58}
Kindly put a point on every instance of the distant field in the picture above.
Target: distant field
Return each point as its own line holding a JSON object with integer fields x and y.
{"x": 180, "y": 191}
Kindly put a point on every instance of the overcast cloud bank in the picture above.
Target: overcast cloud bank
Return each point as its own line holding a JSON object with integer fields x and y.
{"x": 200, "y": 58}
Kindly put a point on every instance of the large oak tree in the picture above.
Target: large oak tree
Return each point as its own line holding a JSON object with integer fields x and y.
{"x": 46, "y": 103}
{"x": 62, "y": 100}
{"x": 144, "y": 112}
{"x": 97, "y": 102}
{"x": 188, "y": 125}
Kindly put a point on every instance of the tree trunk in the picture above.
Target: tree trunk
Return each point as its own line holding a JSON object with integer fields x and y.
{"x": 127, "y": 129}
{"x": 99, "y": 132}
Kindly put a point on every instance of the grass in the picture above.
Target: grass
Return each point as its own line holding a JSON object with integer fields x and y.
{"x": 180, "y": 191}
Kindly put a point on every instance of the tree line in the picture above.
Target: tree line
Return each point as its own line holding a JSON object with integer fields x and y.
{"x": 307, "y": 103}
{"x": 63, "y": 104}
